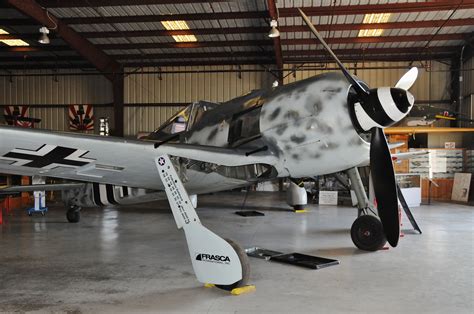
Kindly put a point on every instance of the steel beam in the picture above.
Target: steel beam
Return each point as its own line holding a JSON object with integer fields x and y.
{"x": 267, "y": 61}
{"x": 153, "y": 33}
{"x": 160, "y": 56}
{"x": 118, "y": 97}
{"x": 380, "y": 39}
{"x": 148, "y": 18}
{"x": 390, "y": 25}
{"x": 357, "y": 58}
{"x": 441, "y": 5}
{"x": 106, "y": 3}
{"x": 198, "y": 44}
{"x": 141, "y": 64}
{"x": 372, "y": 51}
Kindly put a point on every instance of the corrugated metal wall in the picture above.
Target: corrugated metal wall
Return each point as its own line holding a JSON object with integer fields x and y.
{"x": 143, "y": 92}
{"x": 56, "y": 90}
{"x": 430, "y": 85}
{"x": 204, "y": 83}
{"x": 60, "y": 90}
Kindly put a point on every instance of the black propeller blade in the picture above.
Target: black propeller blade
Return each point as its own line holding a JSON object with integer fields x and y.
{"x": 361, "y": 91}
{"x": 385, "y": 187}
{"x": 380, "y": 158}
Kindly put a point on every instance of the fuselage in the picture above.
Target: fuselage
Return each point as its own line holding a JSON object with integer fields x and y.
{"x": 307, "y": 125}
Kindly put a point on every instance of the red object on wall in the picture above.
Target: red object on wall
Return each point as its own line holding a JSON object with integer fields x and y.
{"x": 81, "y": 117}
{"x": 18, "y": 116}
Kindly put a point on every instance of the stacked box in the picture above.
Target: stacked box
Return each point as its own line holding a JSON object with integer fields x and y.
{"x": 469, "y": 162}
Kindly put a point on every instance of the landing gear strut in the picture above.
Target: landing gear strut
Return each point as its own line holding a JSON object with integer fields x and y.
{"x": 73, "y": 214}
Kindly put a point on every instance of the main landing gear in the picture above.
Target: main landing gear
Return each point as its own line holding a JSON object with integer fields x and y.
{"x": 73, "y": 214}
{"x": 366, "y": 232}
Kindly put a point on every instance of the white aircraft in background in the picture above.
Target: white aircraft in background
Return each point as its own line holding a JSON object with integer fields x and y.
{"x": 316, "y": 126}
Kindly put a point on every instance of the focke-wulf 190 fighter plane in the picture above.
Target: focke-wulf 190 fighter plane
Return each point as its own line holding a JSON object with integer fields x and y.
{"x": 316, "y": 126}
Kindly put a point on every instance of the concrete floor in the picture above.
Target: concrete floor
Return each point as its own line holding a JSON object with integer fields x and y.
{"x": 135, "y": 260}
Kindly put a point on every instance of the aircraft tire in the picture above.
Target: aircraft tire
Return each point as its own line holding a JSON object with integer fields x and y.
{"x": 244, "y": 261}
{"x": 73, "y": 215}
{"x": 367, "y": 233}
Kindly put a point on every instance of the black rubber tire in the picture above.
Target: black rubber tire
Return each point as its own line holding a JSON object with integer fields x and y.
{"x": 73, "y": 216}
{"x": 367, "y": 233}
{"x": 244, "y": 261}
{"x": 298, "y": 207}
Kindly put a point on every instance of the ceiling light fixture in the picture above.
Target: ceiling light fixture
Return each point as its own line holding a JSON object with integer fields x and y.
{"x": 274, "y": 32}
{"x": 44, "y": 39}
{"x": 179, "y": 25}
{"x": 374, "y": 18}
{"x": 12, "y": 42}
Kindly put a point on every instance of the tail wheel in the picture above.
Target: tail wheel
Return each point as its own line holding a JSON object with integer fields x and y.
{"x": 73, "y": 215}
{"x": 244, "y": 261}
{"x": 367, "y": 233}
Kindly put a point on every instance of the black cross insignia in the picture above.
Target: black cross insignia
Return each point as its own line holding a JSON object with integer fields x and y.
{"x": 57, "y": 156}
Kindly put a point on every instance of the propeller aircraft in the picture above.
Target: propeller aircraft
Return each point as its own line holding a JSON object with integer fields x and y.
{"x": 325, "y": 124}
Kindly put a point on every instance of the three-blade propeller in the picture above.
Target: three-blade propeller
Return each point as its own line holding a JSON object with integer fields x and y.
{"x": 375, "y": 109}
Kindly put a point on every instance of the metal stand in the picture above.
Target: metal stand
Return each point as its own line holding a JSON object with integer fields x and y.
{"x": 296, "y": 259}
{"x": 407, "y": 210}
{"x": 214, "y": 260}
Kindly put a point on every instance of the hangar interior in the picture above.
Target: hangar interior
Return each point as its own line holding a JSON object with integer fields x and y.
{"x": 123, "y": 68}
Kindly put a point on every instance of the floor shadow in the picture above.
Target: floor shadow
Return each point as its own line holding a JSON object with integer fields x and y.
{"x": 336, "y": 231}
{"x": 239, "y": 207}
{"x": 341, "y": 251}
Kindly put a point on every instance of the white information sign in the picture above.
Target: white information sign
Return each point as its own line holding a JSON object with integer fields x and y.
{"x": 327, "y": 197}
{"x": 449, "y": 144}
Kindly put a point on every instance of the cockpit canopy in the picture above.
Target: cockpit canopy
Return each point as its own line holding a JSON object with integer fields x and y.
{"x": 182, "y": 121}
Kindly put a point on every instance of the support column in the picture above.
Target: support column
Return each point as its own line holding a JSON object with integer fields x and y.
{"x": 118, "y": 95}
{"x": 273, "y": 12}
{"x": 455, "y": 64}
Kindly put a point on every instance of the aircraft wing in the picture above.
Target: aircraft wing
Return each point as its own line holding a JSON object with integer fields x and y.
{"x": 103, "y": 159}
{"x": 400, "y": 156}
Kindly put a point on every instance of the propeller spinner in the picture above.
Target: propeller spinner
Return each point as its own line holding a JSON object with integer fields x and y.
{"x": 376, "y": 109}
